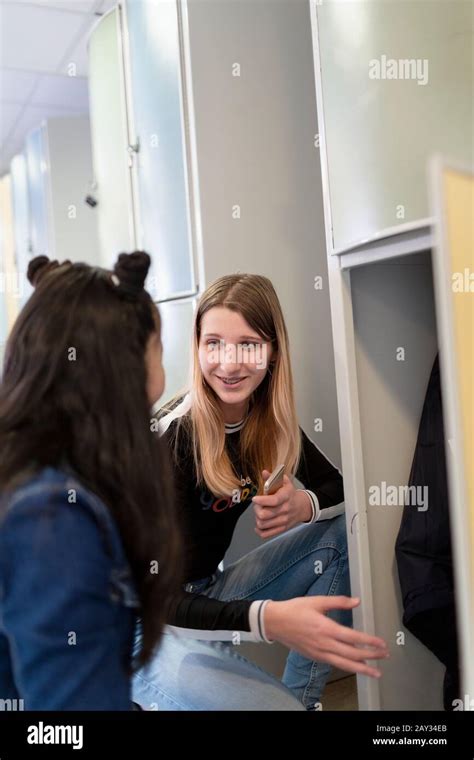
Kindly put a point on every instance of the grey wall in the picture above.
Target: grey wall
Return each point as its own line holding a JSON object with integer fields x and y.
{"x": 255, "y": 146}
{"x": 71, "y": 173}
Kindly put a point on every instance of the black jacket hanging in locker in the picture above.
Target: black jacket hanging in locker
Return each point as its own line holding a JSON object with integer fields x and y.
{"x": 423, "y": 547}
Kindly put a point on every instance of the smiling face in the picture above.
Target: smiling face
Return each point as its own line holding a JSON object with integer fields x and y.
{"x": 234, "y": 359}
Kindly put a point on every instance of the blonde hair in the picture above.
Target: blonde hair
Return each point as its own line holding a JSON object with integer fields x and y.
{"x": 271, "y": 433}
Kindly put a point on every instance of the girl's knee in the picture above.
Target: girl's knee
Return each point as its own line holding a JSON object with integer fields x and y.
{"x": 337, "y": 531}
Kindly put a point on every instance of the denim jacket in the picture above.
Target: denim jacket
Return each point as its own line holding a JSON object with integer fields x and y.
{"x": 67, "y": 602}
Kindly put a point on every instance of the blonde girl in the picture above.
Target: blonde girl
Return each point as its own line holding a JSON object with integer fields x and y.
{"x": 233, "y": 425}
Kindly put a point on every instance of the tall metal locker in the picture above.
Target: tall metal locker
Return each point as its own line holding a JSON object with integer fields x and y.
{"x": 40, "y": 221}
{"x": 382, "y": 115}
{"x": 21, "y": 222}
{"x": 164, "y": 173}
{"x": 50, "y": 186}
{"x": 160, "y": 133}
{"x": 110, "y": 143}
{"x": 146, "y": 142}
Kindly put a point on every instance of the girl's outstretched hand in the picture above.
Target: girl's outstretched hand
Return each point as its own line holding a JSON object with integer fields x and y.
{"x": 301, "y": 624}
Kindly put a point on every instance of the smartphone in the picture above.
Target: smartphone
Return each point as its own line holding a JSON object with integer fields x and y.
{"x": 275, "y": 481}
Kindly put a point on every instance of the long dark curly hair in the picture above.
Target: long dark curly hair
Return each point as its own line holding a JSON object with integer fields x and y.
{"x": 74, "y": 389}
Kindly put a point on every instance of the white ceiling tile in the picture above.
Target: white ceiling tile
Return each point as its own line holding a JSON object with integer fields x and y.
{"x": 16, "y": 86}
{"x": 56, "y": 90}
{"x": 36, "y": 38}
{"x": 79, "y": 58}
{"x": 78, "y": 6}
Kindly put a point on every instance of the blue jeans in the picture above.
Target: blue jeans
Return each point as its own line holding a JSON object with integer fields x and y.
{"x": 189, "y": 674}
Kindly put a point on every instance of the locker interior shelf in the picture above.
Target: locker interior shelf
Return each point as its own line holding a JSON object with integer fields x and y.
{"x": 388, "y": 244}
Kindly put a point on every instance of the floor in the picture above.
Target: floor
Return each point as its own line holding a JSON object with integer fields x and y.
{"x": 341, "y": 694}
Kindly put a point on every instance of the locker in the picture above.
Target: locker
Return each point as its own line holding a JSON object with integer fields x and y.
{"x": 51, "y": 181}
{"x": 386, "y": 314}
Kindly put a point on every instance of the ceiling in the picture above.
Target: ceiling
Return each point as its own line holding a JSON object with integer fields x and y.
{"x": 40, "y": 42}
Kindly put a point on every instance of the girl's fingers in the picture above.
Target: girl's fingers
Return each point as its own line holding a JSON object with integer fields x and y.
{"x": 277, "y": 523}
{"x": 273, "y": 500}
{"x": 343, "y": 632}
{"x": 262, "y": 514}
{"x": 270, "y": 533}
{"x": 358, "y": 638}
{"x": 338, "y": 602}
{"x": 354, "y": 667}
{"x": 265, "y": 514}
{"x": 355, "y": 653}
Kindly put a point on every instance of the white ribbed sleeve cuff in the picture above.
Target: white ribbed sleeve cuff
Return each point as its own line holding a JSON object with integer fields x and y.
{"x": 257, "y": 620}
{"x": 314, "y": 505}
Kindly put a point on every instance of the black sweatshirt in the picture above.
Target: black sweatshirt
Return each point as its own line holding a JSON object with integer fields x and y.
{"x": 208, "y": 523}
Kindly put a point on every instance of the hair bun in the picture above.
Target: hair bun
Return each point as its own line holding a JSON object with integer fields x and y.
{"x": 37, "y": 267}
{"x": 131, "y": 269}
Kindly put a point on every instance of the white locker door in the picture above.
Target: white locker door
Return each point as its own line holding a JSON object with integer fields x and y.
{"x": 112, "y": 174}
{"x": 37, "y": 171}
{"x": 157, "y": 127}
{"x": 21, "y": 223}
{"x": 74, "y": 222}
